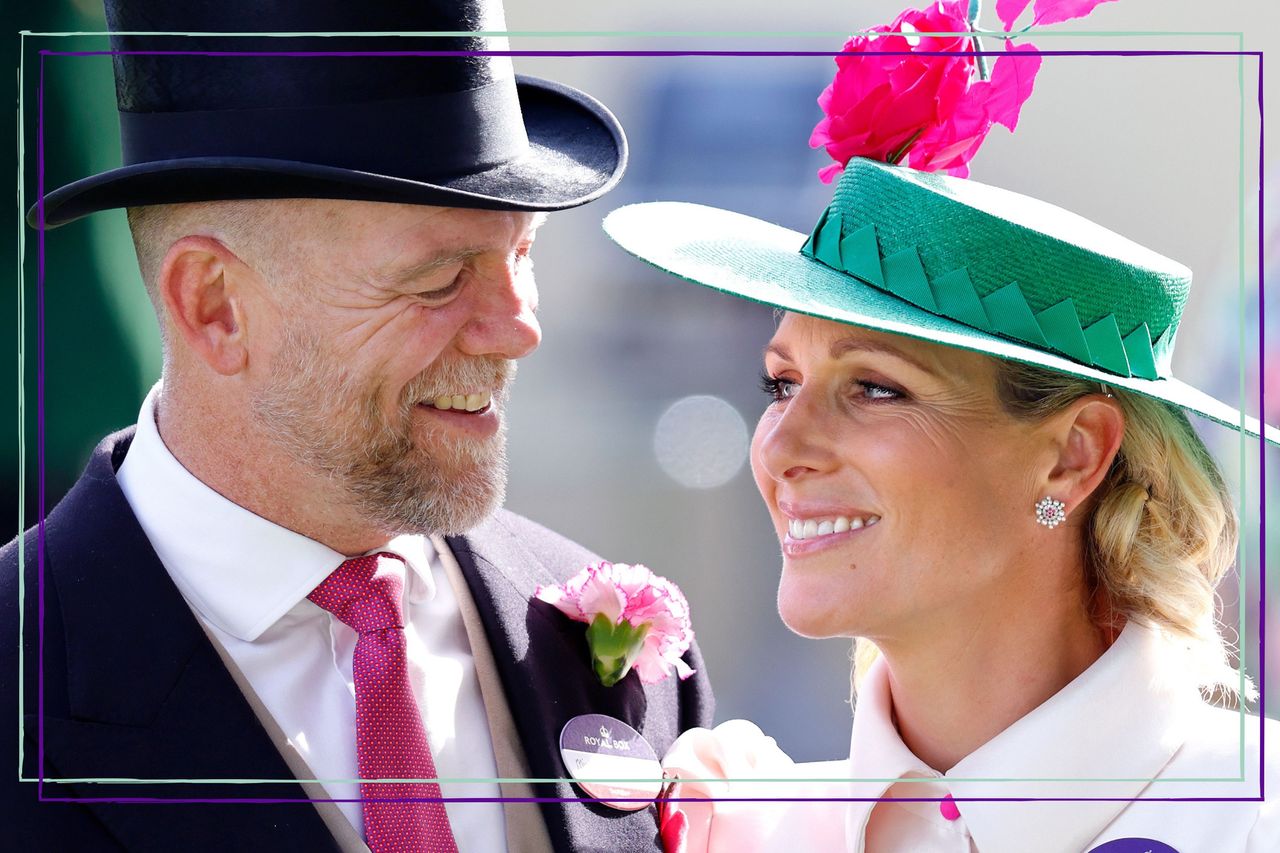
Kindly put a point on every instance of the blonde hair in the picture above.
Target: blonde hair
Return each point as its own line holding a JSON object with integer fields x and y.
{"x": 1161, "y": 531}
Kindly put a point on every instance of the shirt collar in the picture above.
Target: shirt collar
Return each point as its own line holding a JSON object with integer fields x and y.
{"x": 1135, "y": 705}
{"x": 238, "y": 570}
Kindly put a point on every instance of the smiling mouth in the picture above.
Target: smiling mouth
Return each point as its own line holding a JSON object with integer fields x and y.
{"x": 474, "y": 403}
{"x": 802, "y": 529}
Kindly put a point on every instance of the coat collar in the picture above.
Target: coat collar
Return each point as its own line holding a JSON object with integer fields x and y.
{"x": 542, "y": 660}
{"x": 1044, "y": 755}
{"x": 117, "y": 599}
{"x": 146, "y": 696}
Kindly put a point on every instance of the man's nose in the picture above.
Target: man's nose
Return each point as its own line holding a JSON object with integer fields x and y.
{"x": 503, "y": 322}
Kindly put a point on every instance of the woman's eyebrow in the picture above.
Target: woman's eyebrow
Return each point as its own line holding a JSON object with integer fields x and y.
{"x": 844, "y": 346}
{"x": 779, "y": 350}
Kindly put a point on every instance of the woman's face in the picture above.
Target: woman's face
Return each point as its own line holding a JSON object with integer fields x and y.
{"x": 901, "y": 492}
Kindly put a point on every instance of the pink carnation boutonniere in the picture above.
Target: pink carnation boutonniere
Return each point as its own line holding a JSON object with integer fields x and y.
{"x": 914, "y": 92}
{"x": 635, "y": 619}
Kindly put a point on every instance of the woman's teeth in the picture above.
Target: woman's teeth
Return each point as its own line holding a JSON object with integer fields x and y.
{"x": 810, "y": 528}
{"x": 464, "y": 402}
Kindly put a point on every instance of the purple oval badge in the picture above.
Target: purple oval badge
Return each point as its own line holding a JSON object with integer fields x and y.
{"x": 608, "y": 759}
{"x": 1134, "y": 845}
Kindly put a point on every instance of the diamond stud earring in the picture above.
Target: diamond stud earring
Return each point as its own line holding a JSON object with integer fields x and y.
{"x": 1050, "y": 512}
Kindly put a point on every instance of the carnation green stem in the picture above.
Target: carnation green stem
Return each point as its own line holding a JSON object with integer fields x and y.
{"x": 896, "y": 157}
{"x": 975, "y": 7}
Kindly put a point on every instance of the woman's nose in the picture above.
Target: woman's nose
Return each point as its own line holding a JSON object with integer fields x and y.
{"x": 792, "y": 444}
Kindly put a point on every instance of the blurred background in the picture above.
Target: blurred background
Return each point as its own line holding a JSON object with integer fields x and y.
{"x": 629, "y": 426}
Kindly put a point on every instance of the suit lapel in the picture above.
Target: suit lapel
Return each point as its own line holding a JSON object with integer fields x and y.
{"x": 146, "y": 695}
{"x": 543, "y": 662}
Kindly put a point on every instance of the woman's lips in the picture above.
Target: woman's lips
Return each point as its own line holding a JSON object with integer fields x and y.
{"x": 806, "y": 536}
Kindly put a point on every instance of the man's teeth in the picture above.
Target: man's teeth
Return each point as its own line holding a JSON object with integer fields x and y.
{"x": 811, "y": 527}
{"x": 465, "y": 402}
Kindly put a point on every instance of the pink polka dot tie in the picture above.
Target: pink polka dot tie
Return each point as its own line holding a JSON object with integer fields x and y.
{"x": 391, "y": 743}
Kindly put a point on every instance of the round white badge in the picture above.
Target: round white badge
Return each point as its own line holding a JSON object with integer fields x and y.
{"x": 611, "y": 761}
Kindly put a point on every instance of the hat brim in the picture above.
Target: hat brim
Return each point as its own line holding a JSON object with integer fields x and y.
{"x": 577, "y": 152}
{"x": 760, "y": 261}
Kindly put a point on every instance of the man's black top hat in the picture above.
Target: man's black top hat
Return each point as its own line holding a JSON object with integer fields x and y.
{"x": 211, "y": 117}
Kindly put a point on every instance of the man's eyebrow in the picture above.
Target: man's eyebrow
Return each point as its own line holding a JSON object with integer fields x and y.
{"x": 427, "y": 267}
{"x": 437, "y": 262}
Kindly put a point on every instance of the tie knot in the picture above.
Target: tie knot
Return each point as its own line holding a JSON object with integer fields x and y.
{"x": 364, "y": 592}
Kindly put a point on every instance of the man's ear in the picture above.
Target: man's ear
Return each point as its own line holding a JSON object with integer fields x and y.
{"x": 205, "y": 303}
{"x": 1086, "y": 437}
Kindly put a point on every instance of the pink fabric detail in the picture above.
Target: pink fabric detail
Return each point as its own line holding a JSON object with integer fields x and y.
{"x": 673, "y": 828}
{"x": 1009, "y": 10}
{"x": 1011, "y": 83}
{"x": 391, "y": 742}
{"x": 1047, "y": 11}
{"x": 948, "y": 808}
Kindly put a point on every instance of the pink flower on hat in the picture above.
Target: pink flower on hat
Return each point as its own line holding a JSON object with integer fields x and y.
{"x": 1046, "y": 11}
{"x": 635, "y": 619}
{"x": 890, "y": 101}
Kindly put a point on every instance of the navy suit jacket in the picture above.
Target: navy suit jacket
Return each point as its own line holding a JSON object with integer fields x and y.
{"x": 132, "y": 689}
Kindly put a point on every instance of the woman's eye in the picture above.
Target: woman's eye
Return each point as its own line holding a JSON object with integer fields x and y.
{"x": 778, "y": 389}
{"x": 872, "y": 391}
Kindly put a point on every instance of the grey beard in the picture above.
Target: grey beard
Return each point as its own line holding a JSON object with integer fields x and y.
{"x": 445, "y": 486}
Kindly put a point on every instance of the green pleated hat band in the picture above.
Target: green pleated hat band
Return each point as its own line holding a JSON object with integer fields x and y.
{"x": 1005, "y": 264}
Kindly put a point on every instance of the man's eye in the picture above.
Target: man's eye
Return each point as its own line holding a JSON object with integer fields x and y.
{"x": 442, "y": 292}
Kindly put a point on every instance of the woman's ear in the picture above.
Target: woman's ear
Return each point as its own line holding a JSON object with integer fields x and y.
{"x": 205, "y": 303}
{"x": 1086, "y": 438}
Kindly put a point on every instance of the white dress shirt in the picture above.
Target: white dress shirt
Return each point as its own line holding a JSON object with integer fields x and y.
{"x": 247, "y": 579}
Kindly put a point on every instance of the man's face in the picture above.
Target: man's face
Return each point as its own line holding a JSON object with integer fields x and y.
{"x": 398, "y": 330}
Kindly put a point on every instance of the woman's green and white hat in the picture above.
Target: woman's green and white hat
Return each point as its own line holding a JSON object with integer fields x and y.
{"x": 952, "y": 261}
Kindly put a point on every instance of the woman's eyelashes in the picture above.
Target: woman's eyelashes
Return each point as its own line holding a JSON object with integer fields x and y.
{"x": 874, "y": 391}
{"x": 779, "y": 389}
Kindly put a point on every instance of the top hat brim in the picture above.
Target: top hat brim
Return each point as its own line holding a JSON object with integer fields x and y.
{"x": 762, "y": 262}
{"x": 577, "y": 152}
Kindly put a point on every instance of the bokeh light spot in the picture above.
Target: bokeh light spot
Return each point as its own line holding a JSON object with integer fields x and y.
{"x": 700, "y": 442}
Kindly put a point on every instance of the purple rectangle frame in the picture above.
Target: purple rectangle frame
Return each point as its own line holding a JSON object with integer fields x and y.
{"x": 40, "y": 436}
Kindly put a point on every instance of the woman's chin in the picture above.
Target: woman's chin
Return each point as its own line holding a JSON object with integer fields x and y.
{"x": 811, "y": 611}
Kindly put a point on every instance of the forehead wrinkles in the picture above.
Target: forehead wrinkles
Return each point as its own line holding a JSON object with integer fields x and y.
{"x": 813, "y": 339}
